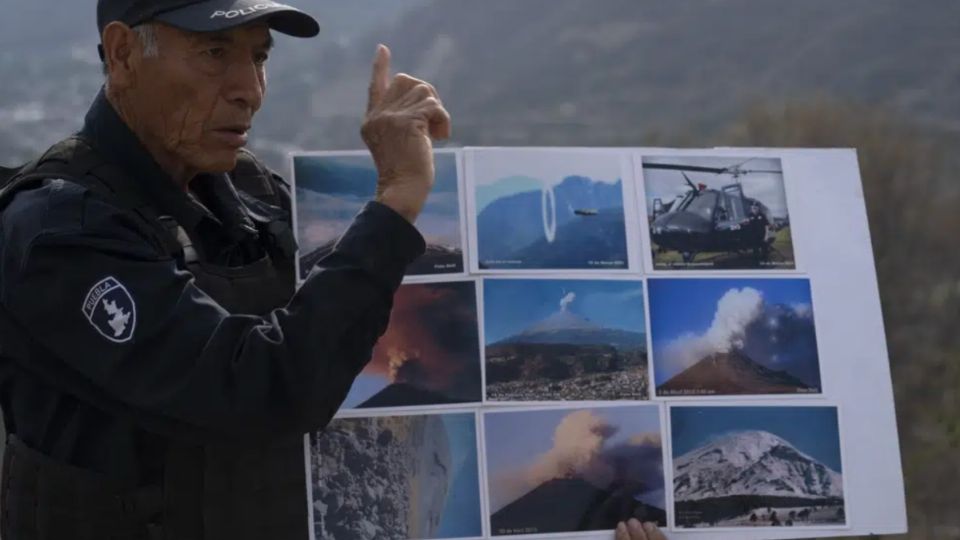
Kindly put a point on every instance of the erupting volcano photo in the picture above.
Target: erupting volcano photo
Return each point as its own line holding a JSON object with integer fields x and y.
{"x": 733, "y": 337}
{"x": 567, "y": 470}
{"x": 430, "y": 353}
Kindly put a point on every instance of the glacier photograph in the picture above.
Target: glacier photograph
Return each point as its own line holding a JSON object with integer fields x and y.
{"x": 716, "y": 337}
{"x": 332, "y": 188}
{"x": 573, "y": 469}
{"x": 564, "y": 340}
{"x": 545, "y": 209}
{"x": 396, "y": 478}
{"x": 765, "y": 466}
{"x": 717, "y": 212}
{"x": 429, "y": 354}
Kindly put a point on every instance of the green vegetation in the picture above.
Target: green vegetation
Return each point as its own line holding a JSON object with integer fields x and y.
{"x": 781, "y": 252}
{"x": 912, "y": 206}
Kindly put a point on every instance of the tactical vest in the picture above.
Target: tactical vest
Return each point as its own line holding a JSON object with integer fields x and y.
{"x": 208, "y": 492}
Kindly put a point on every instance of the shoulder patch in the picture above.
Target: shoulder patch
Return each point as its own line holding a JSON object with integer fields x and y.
{"x": 111, "y": 310}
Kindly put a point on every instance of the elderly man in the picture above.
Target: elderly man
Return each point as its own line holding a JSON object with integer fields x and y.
{"x": 157, "y": 369}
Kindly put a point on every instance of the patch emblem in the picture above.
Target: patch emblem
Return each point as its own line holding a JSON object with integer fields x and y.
{"x": 111, "y": 310}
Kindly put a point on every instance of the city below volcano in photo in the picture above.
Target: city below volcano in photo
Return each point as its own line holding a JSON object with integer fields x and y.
{"x": 555, "y": 340}
{"x": 430, "y": 352}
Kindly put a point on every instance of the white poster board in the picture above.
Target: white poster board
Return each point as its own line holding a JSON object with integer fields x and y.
{"x": 691, "y": 336}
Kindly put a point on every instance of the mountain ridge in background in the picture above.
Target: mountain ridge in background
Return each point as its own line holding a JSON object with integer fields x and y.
{"x": 567, "y": 327}
{"x": 560, "y": 72}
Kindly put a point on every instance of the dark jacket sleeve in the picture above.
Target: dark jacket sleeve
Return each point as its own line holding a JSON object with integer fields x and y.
{"x": 189, "y": 361}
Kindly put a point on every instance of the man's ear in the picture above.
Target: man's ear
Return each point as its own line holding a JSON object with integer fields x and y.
{"x": 121, "y": 50}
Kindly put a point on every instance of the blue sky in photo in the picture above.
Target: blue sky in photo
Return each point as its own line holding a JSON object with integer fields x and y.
{"x": 461, "y": 514}
{"x": 680, "y": 306}
{"x": 811, "y": 430}
{"x": 517, "y": 439}
{"x": 513, "y": 305}
{"x": 363, "y": 184}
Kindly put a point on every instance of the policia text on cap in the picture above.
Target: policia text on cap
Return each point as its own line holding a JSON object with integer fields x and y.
{"x": 157, "y": 368}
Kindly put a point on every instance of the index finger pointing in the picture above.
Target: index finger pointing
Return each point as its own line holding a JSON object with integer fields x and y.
{"x": 380, "y": 78}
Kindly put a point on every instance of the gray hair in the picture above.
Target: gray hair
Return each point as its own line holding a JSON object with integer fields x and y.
{"x": 147, "y": 34}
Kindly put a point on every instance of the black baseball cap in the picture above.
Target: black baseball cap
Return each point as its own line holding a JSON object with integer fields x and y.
{"x": 207, "y": 15}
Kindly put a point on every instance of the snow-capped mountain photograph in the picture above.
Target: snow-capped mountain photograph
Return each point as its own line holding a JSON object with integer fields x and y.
{"x": 331, "y": 188}
{"x": 564, "y": 340}
{"x": 733, "y": 337}
{"x": 548, "y": 209}
{"x": 573, "y": 469}
{"x": 769, "y": 466}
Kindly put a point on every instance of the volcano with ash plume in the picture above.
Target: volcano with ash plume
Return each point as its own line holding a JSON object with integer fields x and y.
{"x": 429, "y": 354}
{"x": 731, "y": 373}
{"x": 752, "y": 346}
{"x": 603, "y": 466}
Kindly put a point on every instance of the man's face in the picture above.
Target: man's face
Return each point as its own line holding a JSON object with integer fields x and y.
{"x": 196, "y": 99}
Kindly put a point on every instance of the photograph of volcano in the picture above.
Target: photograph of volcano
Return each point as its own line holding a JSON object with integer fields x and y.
{"x": 717, "y": 212}
{"x": 547, "y": 209}
{"x": 396, "y": 478}
{"x": 770, "y": 466}
{"x": 733, "y": 337}
{"x": 331, "y": 188}
{"x": 430, "y": 353}
{"x": 564, "y": 340}
{"x": 575, "y": 469}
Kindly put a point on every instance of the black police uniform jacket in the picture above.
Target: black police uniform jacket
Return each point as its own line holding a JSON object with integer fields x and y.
{"x": 152, "y": 391}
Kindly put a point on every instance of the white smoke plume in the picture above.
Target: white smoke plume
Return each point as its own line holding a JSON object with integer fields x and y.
{"x": 567, "y": 300}
{"x": 803, "y": 310}
{"x": 651, "y": 439}
{"x": 735, "y": 310}
{"x": 577, "y": 442}
{"x": 581, "y": 450}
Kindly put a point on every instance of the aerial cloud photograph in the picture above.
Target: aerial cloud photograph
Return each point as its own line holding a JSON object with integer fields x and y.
{"x": 332, "y": 188}
{"x": 396, "y": 477}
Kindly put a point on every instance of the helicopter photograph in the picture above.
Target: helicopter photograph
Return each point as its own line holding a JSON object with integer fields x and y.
{"x": 717, "y": 212}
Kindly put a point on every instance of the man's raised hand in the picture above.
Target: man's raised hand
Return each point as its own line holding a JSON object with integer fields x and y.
{"x": 404, "y": 115}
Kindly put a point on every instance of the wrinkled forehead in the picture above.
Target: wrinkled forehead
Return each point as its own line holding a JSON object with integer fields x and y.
{"x": 254, "y": 34}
